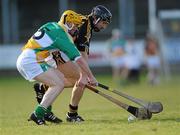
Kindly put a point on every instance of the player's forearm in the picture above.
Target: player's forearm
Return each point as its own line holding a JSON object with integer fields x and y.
{"x": 84, "y": 66}
{"x": 84, "y": 55}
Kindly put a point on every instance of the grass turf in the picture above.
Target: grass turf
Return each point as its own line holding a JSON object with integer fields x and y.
{"x": 17, "y": 101}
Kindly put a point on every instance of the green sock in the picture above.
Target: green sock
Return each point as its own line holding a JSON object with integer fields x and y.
{"x": 40, "y": 111}
{"x": 49, "y": 108}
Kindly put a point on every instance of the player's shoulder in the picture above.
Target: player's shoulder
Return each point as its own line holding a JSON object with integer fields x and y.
{"x": 51, "y": 25}
{"x": 85, "y": 23}
{"x": 53, "y": 30}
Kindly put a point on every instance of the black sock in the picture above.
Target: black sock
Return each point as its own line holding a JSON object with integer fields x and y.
{"x": 73, "y": 109}
{"x": 40, "y": 91}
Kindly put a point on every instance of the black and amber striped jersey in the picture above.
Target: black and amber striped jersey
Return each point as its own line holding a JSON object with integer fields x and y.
{"x": 82, "y": 41}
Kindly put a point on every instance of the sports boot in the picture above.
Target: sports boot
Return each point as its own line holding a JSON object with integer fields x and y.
{"x": 49, "y": 116}
{"x": 37, "y": 120}
{"x": 73, "y": 117}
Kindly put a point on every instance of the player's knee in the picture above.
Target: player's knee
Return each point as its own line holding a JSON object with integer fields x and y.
{"x": 58, "y": 84}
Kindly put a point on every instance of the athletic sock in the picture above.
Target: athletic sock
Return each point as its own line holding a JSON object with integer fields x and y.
{"x": 40, "y": 91}
{"x": 40, "y": 111}
{"x": 73, "y": 109}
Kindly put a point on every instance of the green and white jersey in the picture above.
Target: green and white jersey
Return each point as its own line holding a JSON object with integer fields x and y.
{"x": 49, "y": 37}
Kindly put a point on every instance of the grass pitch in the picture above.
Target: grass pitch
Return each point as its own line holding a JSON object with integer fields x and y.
{"x": 17, "y": 101}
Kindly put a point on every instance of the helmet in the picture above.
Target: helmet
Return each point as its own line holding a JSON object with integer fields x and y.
{"x": 72, "y": 17}
{"x": 102, "y": 12}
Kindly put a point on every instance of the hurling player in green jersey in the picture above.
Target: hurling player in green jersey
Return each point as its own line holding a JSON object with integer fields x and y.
{"x": 36, "y": 61}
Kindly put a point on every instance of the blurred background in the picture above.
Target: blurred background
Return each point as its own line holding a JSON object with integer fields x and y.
{"x": 136, "y": 24}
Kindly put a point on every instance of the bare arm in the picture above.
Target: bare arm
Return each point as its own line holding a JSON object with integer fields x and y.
{"x": 85, "y": 69}
{"x": 84, "y": 66}
{"x": 84, "y": 55}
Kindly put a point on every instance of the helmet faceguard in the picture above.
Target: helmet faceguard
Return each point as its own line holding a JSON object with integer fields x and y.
{"x": 101, "y": 13}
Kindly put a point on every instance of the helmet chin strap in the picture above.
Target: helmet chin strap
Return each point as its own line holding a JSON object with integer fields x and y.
{"x": 69, "y": 28}
{"x": 95, "y": 28}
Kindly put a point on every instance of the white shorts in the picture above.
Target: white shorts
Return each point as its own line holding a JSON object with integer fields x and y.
{"x": 132, "y": 62}
{"x": 28, "y": 66}
{"x": 153, "y": 62}
{"x": 117, "y": 62}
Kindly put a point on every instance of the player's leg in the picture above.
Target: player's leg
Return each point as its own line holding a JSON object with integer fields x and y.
{"x": 77, "y": 93}
{"x": 115, "y": 69}
{"x": 116, "y": 74}
{"x": 55, "y": 80}
{"x": 153, "y": 68}
{"x": 71, "y": 74}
